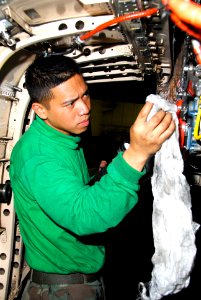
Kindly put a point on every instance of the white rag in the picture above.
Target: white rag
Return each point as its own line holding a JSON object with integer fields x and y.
{"x": 173, "y": 228}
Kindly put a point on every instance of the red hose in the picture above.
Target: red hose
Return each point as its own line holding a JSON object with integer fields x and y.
{"x": 126, "y": 17}
{"x": 187, "y": 11}
{"x": 184, "y": 27}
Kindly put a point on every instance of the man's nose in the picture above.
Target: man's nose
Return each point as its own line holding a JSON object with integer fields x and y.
{"x": 84, "y": 107}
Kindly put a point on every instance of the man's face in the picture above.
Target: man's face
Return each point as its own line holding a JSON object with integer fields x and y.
{"x": 69, "y": 109}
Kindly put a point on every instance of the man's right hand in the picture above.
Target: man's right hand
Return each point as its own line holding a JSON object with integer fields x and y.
{"x": 147, "y": 137}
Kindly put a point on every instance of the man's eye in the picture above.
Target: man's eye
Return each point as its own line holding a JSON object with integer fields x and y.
{"x": 86, "y": 94}
{"x": 69, "y": 104}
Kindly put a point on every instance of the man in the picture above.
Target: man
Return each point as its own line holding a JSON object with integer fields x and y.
{"x": 53, "y": 200}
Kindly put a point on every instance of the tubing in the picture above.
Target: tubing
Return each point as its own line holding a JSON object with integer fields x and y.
{"x": 181, "y": 124}
{"x": 184, "y": 27}
{"x": 185, "y": 10}
{"x": 126, "y": 17}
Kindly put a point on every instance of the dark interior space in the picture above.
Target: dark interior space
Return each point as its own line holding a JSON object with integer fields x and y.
{"x": 129, "y": 91}
{"x": 106, "y": 146}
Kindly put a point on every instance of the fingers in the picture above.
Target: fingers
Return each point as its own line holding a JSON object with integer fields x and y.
{"x": 155, "y": 119}
{"x": 143, "y": 114}
{"x": 160, "y": 122}
{"x": 164, "y": 129}
{"x": 168, "y": 132}
{"x": 160, "y": 117}
{"x": 157, "y": 129}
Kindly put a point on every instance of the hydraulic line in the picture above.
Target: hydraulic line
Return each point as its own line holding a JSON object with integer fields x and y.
{"x": 184, "y": 27}
{"x": 186, "y": 10}
{"x": 181, "y": 123}
{"x": 126, "y": 17}
{"x": 186, "y": 14}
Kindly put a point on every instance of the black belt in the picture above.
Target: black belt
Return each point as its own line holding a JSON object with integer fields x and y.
{"x": 51, "y": 278}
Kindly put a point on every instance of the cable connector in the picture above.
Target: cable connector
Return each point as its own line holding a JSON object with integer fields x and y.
{"x": 78, "y": 41}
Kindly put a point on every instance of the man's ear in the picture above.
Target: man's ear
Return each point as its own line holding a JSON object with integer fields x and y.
{"x": 40, "y": 110}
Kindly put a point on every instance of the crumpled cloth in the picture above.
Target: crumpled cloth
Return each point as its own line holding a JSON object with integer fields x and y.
{"x": 173, "y": 227}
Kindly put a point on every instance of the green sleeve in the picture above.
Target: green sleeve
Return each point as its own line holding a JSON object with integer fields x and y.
{"x": 80, "y": 208}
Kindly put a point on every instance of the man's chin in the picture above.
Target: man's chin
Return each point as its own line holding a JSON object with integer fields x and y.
{"x": 84, "y": 129}
{"x": 80, "y": 131}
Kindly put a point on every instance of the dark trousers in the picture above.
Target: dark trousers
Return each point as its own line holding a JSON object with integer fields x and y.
{"x": 74, "y": 288}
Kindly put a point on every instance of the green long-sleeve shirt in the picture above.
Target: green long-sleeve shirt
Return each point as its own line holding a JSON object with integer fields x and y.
{"x": 55, "y": 205}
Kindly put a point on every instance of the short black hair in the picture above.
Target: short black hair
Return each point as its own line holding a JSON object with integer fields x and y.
{"x": 46, "y": 73}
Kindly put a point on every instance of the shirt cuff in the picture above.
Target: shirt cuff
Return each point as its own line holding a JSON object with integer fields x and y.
{"x": 124, "y": 170}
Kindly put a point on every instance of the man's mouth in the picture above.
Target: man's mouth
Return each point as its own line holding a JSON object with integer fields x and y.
{"x": 84, "y": 123}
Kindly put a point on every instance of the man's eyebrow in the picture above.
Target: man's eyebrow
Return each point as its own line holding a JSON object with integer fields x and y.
{"x": 70, "y": 100}
{"x": 74, "y": 99}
